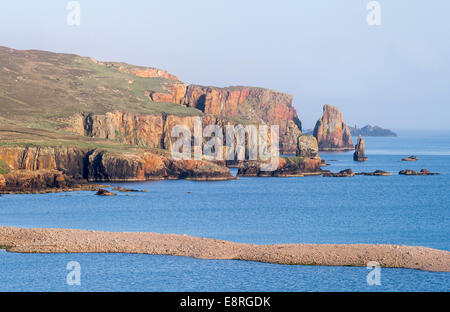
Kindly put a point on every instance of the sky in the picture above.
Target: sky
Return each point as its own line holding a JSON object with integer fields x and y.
{"x": 394, "y": 75}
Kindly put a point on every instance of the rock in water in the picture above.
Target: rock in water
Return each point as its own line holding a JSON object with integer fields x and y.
{"x": 307, "y": 146}
{"x": 331, "y": 132}
{"x": 411, "y": 158}
{"x": 103, "y": 192}
{"x": 421, "y": 172}
{"x": 340, "y": 174}
{"x": 360, "y": 150}
{"x": 376, "y": 173}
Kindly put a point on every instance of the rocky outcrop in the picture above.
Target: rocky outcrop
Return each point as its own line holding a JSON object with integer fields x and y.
{"x": 40, "y": 181}
{"x": 287, "y": 167}
{"x": 341, "y": 174}
{"x": 411, "y": 158}
{"x": 69, "y": 160}
{"x": 174, "y": 93}
{"x": 376, "y": 173}
{"x": 103, "y": 192}
{"x": 307, "y": 146}
{"x": 360, "y": 150}
{"x": 250, "y": 104}
{"x": 421, "y": 172}
{"x": 331, "y": 132}
{"x": 107, "y": 166}
{"x": 100, "y": 165}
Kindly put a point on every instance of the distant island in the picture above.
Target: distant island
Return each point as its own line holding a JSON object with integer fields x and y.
{"x": 372, "y": 131}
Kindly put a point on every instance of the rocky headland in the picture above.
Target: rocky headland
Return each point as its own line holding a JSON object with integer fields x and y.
{"x": 372, "y": 131}
{"x": 78, "y": 241}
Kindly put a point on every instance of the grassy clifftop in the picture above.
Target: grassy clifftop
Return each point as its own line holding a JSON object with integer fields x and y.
{"x": 38, "y": 87}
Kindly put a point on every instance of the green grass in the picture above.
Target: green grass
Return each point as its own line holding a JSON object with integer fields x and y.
{"x": 4, "y": 168}
{"x": 294, "y": 160}
{"x": 37, "y": 88}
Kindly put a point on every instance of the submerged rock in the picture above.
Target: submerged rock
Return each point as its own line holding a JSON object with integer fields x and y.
{"x": 375, "y": 173}
{"x": 103, "y": 192}
{"x": 125, "y": 190}
{"x": 360, "y": 150}
{"x": 331, "y": 132}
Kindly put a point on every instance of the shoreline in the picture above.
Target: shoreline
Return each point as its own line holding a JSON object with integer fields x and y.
{"x": 24, "y": 240}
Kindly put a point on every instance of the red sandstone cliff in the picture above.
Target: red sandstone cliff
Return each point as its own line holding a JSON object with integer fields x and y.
{"x": 100, "y": 165}
{"x": 331, "y": 132}
{"x": 252, "y": 104}
{"x": 40, "y": 181}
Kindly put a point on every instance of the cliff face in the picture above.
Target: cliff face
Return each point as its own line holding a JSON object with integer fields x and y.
{"x": 175, "y": 93}
{"x": 69, "y": 160}
{"x": 331, "y": 132}
{"x": 128, "y": 128}
{"x": 97, "y": 165}
{"x": 152, "y": 131}
{"x": 252, "y": 104}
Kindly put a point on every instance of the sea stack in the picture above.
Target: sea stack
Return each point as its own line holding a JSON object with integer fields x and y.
{"x": 360, "y": 150}
{"x": 331, "y": 132}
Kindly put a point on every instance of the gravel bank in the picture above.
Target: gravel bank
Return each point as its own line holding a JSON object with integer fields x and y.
{"x": 79, "y": 241}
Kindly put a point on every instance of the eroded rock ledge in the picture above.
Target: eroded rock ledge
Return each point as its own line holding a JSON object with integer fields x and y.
{"x": 102, "y": 165}
{"x": 79, "y": 241}
{"x": 41, "y": 181}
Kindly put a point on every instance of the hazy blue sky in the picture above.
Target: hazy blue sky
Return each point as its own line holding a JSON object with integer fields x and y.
{"x": 394, "y": 75}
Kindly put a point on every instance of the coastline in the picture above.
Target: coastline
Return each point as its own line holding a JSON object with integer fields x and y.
{"x": 22, "y": 240}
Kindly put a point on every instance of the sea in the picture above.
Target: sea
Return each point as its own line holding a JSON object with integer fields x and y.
{"x": 407, "y": 210}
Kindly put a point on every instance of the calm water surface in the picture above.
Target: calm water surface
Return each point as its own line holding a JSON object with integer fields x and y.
{"x": 395, "y": 210}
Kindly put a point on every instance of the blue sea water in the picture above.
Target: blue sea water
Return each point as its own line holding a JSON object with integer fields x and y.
{"x": 410, "y": 210}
